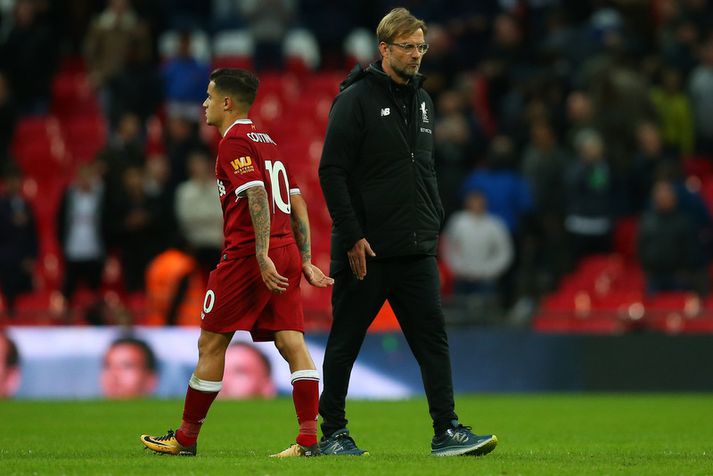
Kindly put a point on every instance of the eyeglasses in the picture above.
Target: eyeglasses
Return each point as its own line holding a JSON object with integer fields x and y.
{"x": 409, "y": 47}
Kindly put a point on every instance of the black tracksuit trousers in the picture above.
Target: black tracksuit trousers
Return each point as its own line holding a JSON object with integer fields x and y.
{"x": 411, "y": 284}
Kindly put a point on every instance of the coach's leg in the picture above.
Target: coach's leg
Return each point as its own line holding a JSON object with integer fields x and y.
{"x": 416, "y": 301}
{"x": 305, "y": 386}
{"x": 204, "y": 385}
{"x": 354, "y": 306}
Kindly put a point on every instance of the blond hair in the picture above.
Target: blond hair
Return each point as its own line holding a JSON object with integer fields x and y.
{"x": 398, "y": 22}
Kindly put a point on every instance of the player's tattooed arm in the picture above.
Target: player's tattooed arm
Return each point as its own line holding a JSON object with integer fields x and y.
{"x": 260, "y": 215}
{"x": 300, "y": 227}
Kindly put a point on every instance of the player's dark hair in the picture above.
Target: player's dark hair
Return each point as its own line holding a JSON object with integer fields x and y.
{"x": 263, "y": 358}
{"x": 12, "y": 356}
{"x": 239, "y": 84}
{"x": 149, "y": 356}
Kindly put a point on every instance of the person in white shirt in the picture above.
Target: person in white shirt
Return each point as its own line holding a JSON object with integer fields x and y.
{"x": 476, "y": 247}
{"x": 198, "y": 212}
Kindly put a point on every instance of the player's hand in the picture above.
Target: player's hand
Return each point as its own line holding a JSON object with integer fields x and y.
{"x": 357, "y": 257}
{"x": 315, "y": 276}
{"x": 274, "y": 281}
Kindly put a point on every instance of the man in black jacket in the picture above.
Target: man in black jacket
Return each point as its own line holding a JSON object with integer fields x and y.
{"x": 378, "y": 177}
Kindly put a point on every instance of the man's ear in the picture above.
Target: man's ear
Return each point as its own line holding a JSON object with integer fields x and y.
{"x": 383, "y": 49}
{"x": 227, "y": 103}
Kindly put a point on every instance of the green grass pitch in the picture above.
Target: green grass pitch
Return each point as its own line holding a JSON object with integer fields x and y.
{"x": 539, "y": 435}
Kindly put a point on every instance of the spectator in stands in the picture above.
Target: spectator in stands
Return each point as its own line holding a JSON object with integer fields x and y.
{"x": 199, "y": 214}
{"x": 588, "y": 213}
{"x": 136, "y": 228}
{"x": 184, "y": 79}
{"x": 181, "y": 139}
{"x": 175, "y": 290}
{"x": 129, "y": 369}
{"x": 507, "y": 66}
{"x": 542, "y": 165}
{"x": 158, "y": 188}
{"x": 675, "y": 113}
{"x": 692, "y": 204}
{"x": 81, "y": 231}
{"x": 29, "y": 56}
{"x": 508, "y": 197}
{"x": 114, "y": 36}
{"x": 543, "y": 256}
{"x": 650, "y": 159}
{"x": 123, "y": 150}
{"x": 18, "y": 240}
{"x": 580, "y": 116}
{"x": 268, "y": 22}
{"x": 476, "y": 247}
{"x": 508, "y": 194}
{"x": 667, "y": 243}
{"x": 248, "y": 373}
{"x": 455, "y": 150}
{"x": 8, "y": 118}
{"x": 136, "y": 88}
{"x": 9, "y": 366}
{"x": 330, "y": 21}
{"x": 700, "y": 85}
{"x": 678, "y": 36}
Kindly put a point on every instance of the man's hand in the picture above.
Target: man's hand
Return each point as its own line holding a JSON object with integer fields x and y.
{"x": 357, "y": 257}
{"x": 315, "y": 276}
{"x": 274, "y": 281}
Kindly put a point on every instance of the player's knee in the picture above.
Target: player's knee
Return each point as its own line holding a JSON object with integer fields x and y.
{"x": 210, "y": 347}
{"x": 289, "y": 344}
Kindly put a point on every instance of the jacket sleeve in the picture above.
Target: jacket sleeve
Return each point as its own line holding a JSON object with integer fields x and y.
{"x": 337, "y": 167}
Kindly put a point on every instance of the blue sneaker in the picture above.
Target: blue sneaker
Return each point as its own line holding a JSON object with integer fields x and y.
{"x": 459, "y": 440}
{"x": 340, "y": 444}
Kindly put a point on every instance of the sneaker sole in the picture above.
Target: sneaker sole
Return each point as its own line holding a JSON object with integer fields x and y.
{"x": 481, "y": 449}
{"x": 366, "y": 453}
{"x": 180, "y": 453}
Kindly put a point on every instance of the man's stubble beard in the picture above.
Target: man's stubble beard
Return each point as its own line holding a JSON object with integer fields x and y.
{"x": 403, "y": 74}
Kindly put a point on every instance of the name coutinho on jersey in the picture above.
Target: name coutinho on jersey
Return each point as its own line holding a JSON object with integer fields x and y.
{"x": 260, "y": 137}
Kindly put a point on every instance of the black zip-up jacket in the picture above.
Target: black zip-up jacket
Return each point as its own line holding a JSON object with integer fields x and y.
{"x": 377, "y": 170}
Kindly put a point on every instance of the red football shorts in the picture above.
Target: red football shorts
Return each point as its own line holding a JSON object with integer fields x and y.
{"x": 237, "y": 299}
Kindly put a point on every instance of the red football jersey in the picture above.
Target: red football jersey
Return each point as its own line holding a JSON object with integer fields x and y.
{"x": 249, "y": 158}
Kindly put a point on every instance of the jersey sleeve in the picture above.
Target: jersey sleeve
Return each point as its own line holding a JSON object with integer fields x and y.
{"x": 294, "y": 184}
{"x": 240, "y": 164}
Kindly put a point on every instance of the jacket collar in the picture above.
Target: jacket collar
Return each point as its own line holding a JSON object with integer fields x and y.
{"x": 374, "y": 69}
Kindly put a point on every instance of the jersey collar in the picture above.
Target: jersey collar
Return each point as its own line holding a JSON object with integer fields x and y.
{"x": 239, "y": 121}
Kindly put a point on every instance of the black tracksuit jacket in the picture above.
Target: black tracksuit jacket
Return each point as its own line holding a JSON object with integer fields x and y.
{"x": 377, "y": 169}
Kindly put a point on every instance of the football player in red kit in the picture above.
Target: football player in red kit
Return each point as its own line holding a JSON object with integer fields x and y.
{"x": 256, "y": 285}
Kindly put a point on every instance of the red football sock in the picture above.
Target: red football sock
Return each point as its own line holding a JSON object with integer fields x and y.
{"x": 199, "y": 397}
{"x": 305, "y": 395}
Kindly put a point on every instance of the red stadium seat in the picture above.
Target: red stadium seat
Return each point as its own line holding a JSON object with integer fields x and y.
{"x": 323, "y": 83}
{"x": 42, "y": 159}
{"x": 669, "y": 311}
{"x": 84, "y": 136}
{"x": 34, "y": 128}
{"x": 625, "y": 233}
{"x": 241, "y": 62}
{"x": 73, "y": 95}
{"x": 707, "y": 193}
{"x": 697, "y": 166}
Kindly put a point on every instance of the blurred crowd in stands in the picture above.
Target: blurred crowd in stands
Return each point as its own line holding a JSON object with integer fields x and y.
{"x": 565, "y": 130}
